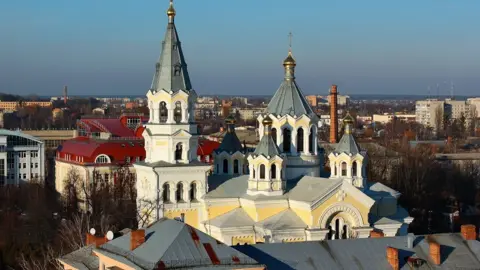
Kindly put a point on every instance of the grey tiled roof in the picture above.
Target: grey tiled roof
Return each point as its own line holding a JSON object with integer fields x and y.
{"x": 284, "y": 220}
{"x": 230, "y": 143}
{"x": 267, "y": 147}
{"x": 307, "y": 189}
{"x": 171, "y": 70}
{"x": 289, "y": 100}
{"x": 171, "y": 242}
{"x": 235, "y": 218}
{"x": 81, "y": 258}
{"x": 347, "y": 144}
{"x": 365, "y": 253}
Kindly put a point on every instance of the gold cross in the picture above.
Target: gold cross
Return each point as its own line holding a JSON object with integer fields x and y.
{"x": 290, "y": 35}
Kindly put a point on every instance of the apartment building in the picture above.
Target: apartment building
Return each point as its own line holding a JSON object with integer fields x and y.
{"x": 431, "y": 112}
{"x": 22, "y": 157}
{"x": 14, "y": 105}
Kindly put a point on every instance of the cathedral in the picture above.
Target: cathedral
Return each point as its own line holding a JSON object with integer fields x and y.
{"x": 276, "y": 193}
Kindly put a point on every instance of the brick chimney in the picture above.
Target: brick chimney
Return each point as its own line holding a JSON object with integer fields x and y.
{"x": 333, "y": 114}
{"x": 435, "y": 253}
{"x": 376, "y": 234}
{"x": 137, "y": 238}
{"x": 97, "y": 240}
{"x": 469, "y": 232}
{"x": 392, "y": 258}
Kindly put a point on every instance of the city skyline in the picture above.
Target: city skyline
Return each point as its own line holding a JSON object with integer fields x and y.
{"x": 365, "y": 48}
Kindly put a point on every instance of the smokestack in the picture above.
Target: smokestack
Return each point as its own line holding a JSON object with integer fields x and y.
{"x": 65, "y": 94}
{"x": 333, "y": 115}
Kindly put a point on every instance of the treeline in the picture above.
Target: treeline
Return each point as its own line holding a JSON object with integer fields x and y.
{"x": 39, "y": 225}
{"x": 430, "y": 189}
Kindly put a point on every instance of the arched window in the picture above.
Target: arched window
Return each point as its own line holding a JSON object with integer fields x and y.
{"x": 225, "y": 166}
{"x": 345, "y": 231}
{"x": 287, "y": 137}
{"x": 262, "y": 171}
{"x": 166, "y": 193}
{"x": 218, "y": 169}
{"x": 163, "y": 112}
{"x": 335, "y": 169}
{"x": 310, "y": 140}
{"x": 178, "y": 151}
{"x": 354, "y": 168}
{"x": 235, "y": 166}
{"x": 102, "y": 159}
{"x": 344, "y": 169}
{"x": 273, "y": 172}
{"x": 177, "y": 113}
{"x": 193, "y": 191}
{"x": 300, "y": 140}
{"x": 337, "y": 229}
{"x": 179, "y": 193}
{"x": 274, "y": 135}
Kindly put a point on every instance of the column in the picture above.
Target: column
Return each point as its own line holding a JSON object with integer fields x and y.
{"x": 306, "y": 141}
{"x": 315, "y": 142}
{"x": 173, "y": 193}
{"x": 155, "y": 115}
{"x": 170, "y": 114}
{"x": 293, "y": 143}
{"x": 184, "y": 113}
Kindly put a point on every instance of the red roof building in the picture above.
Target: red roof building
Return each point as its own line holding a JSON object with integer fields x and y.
{"x": 103, "y": 144}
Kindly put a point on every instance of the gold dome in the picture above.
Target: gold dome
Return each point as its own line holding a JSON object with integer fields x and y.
{"x": 348, "y": 119}
{"x": 230, "y": 120}
{"x": 289, "y": 61}
{"x": 267, "y": 121}
{"x": 171, "y": 11}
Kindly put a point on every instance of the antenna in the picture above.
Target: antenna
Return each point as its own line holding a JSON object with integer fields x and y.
{"x": 438, "y": 90}
{"x": 92, "y": 231}
{"x": 109, "y": 235}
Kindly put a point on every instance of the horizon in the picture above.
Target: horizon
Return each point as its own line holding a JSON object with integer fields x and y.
{"x": 366, "y": 48}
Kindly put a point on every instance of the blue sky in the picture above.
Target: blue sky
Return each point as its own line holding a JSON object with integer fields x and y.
{"x": 237, "y": 46}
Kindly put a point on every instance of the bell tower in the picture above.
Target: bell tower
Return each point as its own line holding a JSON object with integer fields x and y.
{"x": 171, "y": 134}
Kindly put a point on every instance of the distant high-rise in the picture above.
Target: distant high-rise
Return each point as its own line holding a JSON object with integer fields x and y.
{"x": 65, "y": 94}
{"x": 333, "y": 115}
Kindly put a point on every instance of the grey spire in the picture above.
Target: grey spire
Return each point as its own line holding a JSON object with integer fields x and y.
{"x": 347, "y": 143}
{"x": 171, "y": 70}
{"x": 230, "y": 142}
{"x": 267, "y": 145}
{"x": 289, "y": 99}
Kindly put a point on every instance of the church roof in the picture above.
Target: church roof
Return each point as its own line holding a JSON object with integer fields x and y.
{"x": 230, "y": 142}
{"x": 171, "y": 69}
{"x": 307, "y": 189}
{"x": 235, "y": 218}
{"x": 284, "y": 220}
{"x": 267, "y": 147}
{"x": 347, "y": 144}
{"x": 289, "y": 99}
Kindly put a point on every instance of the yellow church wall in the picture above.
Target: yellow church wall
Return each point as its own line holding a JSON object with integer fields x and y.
{"x": 251, "y": 211}
{"x": 305, "y": 215}
{"x": 317, "y": 212}
{"x": 218, "y": 210}
{"x": 291, "y": 240}
{"x": 266, "y": 212}
{"x": 246, "y": 239}
{"x": 191, "y": 215}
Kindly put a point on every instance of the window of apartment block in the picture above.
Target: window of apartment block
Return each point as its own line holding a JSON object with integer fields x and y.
{"x": 34, "y": 154}
{"x": 36, "y": 165}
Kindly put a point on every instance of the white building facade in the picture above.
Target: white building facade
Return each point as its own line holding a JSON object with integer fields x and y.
{"x": 22, "y": 158}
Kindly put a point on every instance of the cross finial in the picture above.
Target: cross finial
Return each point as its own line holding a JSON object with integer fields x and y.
{"x": 290, "y": 35}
